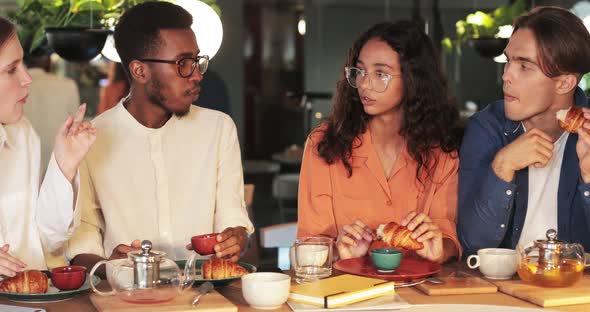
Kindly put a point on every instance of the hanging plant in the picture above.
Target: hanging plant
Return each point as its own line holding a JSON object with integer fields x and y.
{"x": 76, "y": 29}
{"x": 486, "y": 29}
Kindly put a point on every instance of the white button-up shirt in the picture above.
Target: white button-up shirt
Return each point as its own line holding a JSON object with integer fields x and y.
{"x": 165, "y": 184}
{"x": 32, "y": 218}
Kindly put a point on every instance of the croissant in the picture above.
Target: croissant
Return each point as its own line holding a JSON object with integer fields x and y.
{"x": 27, "y": 282}
{"x": 398, "y": 236}
{"x": 570, "y": 119}
{"x": 218, "y": 268}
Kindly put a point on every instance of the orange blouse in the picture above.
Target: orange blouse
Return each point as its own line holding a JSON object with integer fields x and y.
{"x": 329, "y": 199}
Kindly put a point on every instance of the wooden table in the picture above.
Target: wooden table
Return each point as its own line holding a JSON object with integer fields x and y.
{"x": 233, "y": 292}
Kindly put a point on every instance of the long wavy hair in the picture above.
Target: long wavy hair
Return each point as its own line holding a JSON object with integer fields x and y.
{"x": 430, "y": 119}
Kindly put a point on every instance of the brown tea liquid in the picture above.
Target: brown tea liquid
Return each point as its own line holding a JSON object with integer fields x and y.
{"x": 564, "y": 273}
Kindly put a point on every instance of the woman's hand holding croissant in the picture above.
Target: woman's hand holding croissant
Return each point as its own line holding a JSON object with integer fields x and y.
{"x": 354, "y": 240}
{"x": 9, "y": 265}
{"x": 426, "y": 232}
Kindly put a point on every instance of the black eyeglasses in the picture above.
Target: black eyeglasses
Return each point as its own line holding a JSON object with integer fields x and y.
{"x": 186, "y": 66}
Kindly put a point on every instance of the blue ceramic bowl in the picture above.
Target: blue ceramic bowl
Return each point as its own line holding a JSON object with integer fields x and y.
{"x": 386, "y": 260}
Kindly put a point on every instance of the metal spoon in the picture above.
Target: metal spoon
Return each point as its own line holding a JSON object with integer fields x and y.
{"x": 204, "y": 289}
{"x": 435, "y": 280}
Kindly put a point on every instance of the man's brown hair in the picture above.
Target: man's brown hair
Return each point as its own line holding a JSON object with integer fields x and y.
{"x": 562, "y": 39}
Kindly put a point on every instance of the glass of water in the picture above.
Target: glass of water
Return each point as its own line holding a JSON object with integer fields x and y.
{"x": 311, "y": 258}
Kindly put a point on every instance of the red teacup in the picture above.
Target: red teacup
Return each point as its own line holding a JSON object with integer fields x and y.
{"x": 68, "y": 277}
{"x": 203, "y": 244}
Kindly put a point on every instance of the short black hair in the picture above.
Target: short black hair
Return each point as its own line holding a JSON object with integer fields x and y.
{"x": 137, "y": 35}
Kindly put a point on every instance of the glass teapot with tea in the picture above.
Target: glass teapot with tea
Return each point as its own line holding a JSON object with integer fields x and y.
{"x": 146, "y": 276}
{"x": 551, "y": 262}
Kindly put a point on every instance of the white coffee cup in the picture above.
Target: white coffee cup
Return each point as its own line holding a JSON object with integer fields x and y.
{"x": 266, "y": 290}
{"x": 495, "y": 263}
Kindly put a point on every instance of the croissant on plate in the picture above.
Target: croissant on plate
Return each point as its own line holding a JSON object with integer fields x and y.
{"x": 398, "y": 236}
{"x": 26, "y": 282}
{"x": 570, "y": 119}
{"x": 218, "y": 268}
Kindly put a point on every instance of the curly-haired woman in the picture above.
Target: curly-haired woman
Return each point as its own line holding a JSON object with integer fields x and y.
{"x": 388, "y": 151}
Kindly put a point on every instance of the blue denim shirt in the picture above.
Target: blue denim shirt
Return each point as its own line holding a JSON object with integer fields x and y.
{"x": 491, "y": 210}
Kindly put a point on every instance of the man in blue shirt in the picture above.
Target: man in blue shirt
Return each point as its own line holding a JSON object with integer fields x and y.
{"x": 520, "y": 172}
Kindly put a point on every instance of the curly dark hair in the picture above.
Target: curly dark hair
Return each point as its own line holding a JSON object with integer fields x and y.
{"x": 430, "y": 119}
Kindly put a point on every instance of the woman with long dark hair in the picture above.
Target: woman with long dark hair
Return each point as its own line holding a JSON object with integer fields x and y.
{"x": 34, "y": 216}
{"x": 388, "y": 151}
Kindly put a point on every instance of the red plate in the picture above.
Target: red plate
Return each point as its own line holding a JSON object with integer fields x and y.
{"x": 410, "y": 268}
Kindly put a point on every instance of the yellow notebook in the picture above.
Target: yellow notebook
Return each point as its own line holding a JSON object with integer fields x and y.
{"x": 338, "y": 291}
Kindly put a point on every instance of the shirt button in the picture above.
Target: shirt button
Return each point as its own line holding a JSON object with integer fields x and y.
{"x": 502, "y": 225}
{"x": 508, "y": 192}
{"x": 388, "y": 203}
{"x": 586, "y": 193}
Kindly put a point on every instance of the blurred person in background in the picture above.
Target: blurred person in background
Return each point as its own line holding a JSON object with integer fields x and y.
{"x": 117, "y": 88}
{"x": 51, "y": 97}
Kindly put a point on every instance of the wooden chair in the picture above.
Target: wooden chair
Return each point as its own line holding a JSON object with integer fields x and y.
{"x": 280, "y": 236}
{"x": 249, "y": 197}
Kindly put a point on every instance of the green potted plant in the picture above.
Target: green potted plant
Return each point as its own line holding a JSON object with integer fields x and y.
{"x": 75, "y": 29}
{"x": 484, "y": 30}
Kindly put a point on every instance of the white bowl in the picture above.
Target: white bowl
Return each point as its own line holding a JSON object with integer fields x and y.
{"x": 266, "y": 290}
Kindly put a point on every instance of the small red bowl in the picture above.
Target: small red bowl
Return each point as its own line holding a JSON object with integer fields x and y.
{"x": 68, "y": 277}
{"x": 203, "y": 244}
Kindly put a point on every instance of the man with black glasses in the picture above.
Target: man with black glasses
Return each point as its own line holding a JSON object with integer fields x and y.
{"x": 161, "y": 169}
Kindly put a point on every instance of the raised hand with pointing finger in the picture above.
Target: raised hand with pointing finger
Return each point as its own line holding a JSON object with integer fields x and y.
{"x": 72, "y": 143}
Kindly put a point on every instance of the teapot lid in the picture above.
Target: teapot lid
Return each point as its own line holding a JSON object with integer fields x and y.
{"x": 146, "y": 255}
{"x": 551, "y": 242}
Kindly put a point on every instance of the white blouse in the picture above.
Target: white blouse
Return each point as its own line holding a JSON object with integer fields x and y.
{"x": 32, "y": 218}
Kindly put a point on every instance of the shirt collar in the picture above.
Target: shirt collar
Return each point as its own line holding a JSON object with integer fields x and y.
{"x": 512, "y": 127}
{"x": 131, "y": 122}
{"x": 362, "y": 146}
{"x": 5, "y": 139}
{"x": 580, "y": 98}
